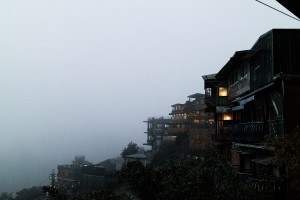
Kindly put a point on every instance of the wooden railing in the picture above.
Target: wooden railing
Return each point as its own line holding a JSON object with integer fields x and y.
{"x": 251, "y": 130}
{"x": 176, "y": 131}
{"x": 265, "y": 185}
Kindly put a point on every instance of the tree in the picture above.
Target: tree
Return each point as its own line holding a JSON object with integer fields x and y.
{"x": 188, "y": 178}
{"x": 287, "y": 154}
{"x": 6, "y": 196}
{"x": 30, "y": 193}
{"x": 132, "y": 148}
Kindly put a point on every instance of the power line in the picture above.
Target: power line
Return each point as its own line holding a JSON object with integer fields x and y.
{"x": 277, "y": 10}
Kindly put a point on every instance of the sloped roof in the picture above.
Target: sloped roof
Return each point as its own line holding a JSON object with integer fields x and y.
{"x": 235, "y": 60}
{"x": 265, "y": 160}
{"x": 110, "y": 161}
{"x": 196, "y": 95}
{"x": 209, "y": 76}
{"x": 137, "y": 155}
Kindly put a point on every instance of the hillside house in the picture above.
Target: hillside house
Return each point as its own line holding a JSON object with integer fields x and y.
{"x": 253, "y": 96}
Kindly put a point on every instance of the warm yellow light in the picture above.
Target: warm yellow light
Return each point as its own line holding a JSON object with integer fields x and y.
{"x": 222, "y": 91}
{"x": 226, "y": 117}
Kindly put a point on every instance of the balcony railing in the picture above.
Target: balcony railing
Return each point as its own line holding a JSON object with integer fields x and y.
{"x": 203, "y": 126}
{"x": 176, "y": 131}
{"x": 265, "y": 185}
{"x": 194, "y": 107}
{"x": 251, "y": 130}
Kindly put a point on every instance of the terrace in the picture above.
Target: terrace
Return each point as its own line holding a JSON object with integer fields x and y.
{"x": 251, "y": 130}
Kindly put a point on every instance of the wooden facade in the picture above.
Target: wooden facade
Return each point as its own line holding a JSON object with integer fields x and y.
{"x": 157, "y": 131}
{"x": 256, "y": 96}
{"x": 191, "y": 120}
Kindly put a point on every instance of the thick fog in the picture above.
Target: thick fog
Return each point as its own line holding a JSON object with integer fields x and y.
{"x": 78, "y": 77}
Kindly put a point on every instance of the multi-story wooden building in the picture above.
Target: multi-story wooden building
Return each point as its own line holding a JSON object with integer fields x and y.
{"x": 190, "y": 127}
{"x": 255, "y": 95}
{"x": 192, "y": 124}
{"x": 157, "y": 131}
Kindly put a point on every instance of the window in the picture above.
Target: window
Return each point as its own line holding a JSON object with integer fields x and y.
{"x": 233, "y": 78}
{"x": 227, "y": 117}
{"x": 208, "y": 92}
{"x": 222, "y": 91}
{"x": 244, "y": 71}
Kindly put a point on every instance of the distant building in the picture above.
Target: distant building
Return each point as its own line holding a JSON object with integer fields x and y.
{"x": 192, "y": 125}
{"x": 157, "y": 131}
{"x": 70, "y": 176}
{"x": 93, "y": 177}
{"x": 139, "y": 157}
{"x": 189, "y": 127}
{"x": 81, "y": 176}
{"x": 112, "y": 165}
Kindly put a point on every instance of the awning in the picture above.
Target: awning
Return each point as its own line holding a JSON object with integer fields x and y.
{"x": 241, "y": 103}
{"x": 265, "y": 160}
{"x": 243, "y": 150}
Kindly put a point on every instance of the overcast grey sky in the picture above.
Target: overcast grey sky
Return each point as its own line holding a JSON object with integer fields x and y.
{"x": 80, "y": 76}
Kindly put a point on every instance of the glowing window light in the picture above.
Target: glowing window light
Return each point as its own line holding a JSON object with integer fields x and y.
{"x": 222, "y": 91}
{"x": 226, "y": 117}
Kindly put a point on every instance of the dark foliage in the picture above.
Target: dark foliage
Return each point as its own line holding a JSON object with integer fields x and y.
{"x": 188, "y": 179}
{"x": 24, "y": 194}
{"x": 102, "y": 194}
{"x": 5, "y": 196}
{"x": 287, "y": 154}
{"x": 132, "y": 148}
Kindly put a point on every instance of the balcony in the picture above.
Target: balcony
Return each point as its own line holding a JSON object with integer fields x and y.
{"x": 150, "y": 142}
{"x": 180, "y": 119}
{"x": 251, "y": 130}
{"x": 210, "y": 101}
{"x": 174, "y": 131}
{"x": 174, "y": 112}
{"x": 274, "y": 185}
{"x": 201, "y": 127}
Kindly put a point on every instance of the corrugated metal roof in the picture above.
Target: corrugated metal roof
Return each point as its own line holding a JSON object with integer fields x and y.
{"x": 265, "y": 160}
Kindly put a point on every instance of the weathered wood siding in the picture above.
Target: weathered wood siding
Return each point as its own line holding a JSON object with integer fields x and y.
{"x": 261, "y": 64}
{"x": 291, "y": 107}
{"x": 241, "y": 86}
{"x": 286, "y": 51}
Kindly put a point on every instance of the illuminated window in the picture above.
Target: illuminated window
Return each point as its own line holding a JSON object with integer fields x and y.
{"x": 222, "y": 91}
{"x": 226, "y": 117}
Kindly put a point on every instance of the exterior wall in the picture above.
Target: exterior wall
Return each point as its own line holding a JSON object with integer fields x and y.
{"x": 201, "y": 139}
{"x": 92, "y": 178}
{"x": 90, "y": 183}
{"x": 68, "y": 175}
{"x": 156, "y": 129}
{"x": 291, "y": 108}
{"x": 242, "y": 85}
{"x": 261, "y": 64}
{"x": 286, "y": 51}
{"x": 235, "y": 159}
{"x": 175, "y": 131}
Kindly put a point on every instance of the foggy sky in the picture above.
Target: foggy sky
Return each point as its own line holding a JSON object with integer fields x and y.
{"x": 78, "y": 77}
